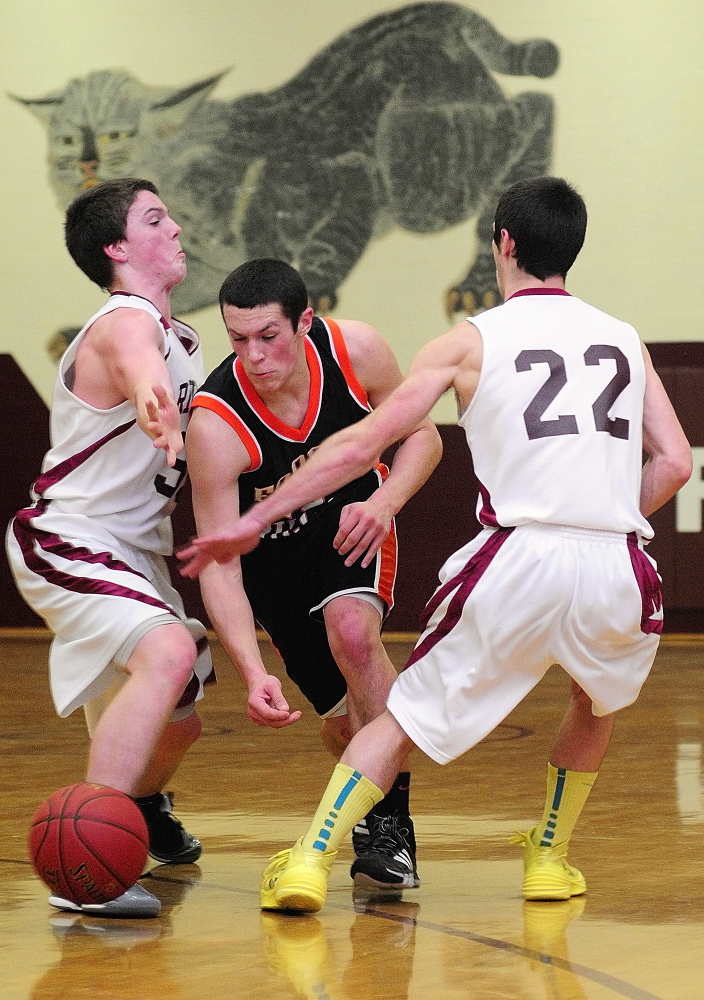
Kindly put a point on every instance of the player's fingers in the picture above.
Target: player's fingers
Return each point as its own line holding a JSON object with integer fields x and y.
{"x": 288, "y": 721}
{"x": 161, "y": 394}
{"x": 195, "y": 566}
{"x": 367, "y": 545}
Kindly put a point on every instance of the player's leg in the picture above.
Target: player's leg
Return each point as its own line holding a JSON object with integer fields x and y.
{"x": 579, "y": 748}
{"x": 336, "y": 735}
{"x": 126, "y": 737}
{"x": 384, "y": 841}
{"x": 296, "y": 879}
{"x": 613, "y": 673}
{"x": 169, "y": 842}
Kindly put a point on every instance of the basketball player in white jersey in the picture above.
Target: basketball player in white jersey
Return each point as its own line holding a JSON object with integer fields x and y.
{"x": 558, "y": 401}
{"x": 88, "y": 555}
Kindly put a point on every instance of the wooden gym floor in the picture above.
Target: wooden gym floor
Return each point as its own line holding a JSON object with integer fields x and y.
{"x": 465, "y": 933}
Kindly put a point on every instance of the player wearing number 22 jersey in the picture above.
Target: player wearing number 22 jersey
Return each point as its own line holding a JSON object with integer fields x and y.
{"x": 563, "y": 446}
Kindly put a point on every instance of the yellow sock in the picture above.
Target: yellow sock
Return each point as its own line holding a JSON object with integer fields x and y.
{"x": 348, "y": 797}
{"x": 566, "y": 794}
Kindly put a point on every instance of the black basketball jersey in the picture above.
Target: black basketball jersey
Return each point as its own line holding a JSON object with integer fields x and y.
{"x": 337, "y": 400}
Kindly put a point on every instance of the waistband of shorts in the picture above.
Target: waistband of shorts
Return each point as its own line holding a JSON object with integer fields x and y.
{"x": 572, "y": 531}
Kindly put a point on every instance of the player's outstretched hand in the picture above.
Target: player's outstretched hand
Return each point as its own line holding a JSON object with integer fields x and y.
{"x": 363, "y": 528}
{"x": 163, "y": 423}
{"x": 267, "y": 706}
{"x": 220, "y": 547}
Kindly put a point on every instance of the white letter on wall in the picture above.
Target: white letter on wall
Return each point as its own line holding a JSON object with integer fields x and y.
{"x": 689, "y": 499}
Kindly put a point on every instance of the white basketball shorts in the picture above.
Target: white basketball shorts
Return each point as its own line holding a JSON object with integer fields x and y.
{"x": 99, "y": 596}
{"x": 510, "y": 604}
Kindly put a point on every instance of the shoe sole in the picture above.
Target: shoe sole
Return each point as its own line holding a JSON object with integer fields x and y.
{"x": 542, "y": 887}
{"x": 186, "y": 859}
{"x": 303, "y": 895}
{"x": 368, "y": 882}
{"x": 144, "y": 911}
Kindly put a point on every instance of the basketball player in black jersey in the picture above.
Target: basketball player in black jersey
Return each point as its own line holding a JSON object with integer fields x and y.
{"x": 321, "y": 581}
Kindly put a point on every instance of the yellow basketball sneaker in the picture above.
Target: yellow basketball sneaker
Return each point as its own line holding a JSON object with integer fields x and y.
{"x": 267, "y": 897}
{"x": 547, "y": 874}
{"x": 296, "y": 880}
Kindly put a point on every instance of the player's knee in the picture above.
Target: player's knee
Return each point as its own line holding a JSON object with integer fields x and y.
{"x": 167, "y": 652}
{"x": 352, "y": 641}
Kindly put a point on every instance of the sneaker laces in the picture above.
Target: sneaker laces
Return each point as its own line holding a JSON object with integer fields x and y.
{"x": 521, "y": 838}
{"x": 385, "y": 833}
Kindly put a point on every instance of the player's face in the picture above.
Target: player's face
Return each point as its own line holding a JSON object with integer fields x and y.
{"x": 270, "y": 350}
{"x": 152, "y": 240}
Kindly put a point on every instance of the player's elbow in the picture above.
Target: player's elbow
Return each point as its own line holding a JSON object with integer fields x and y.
{"x": 676, "y": 467}
{"x": 681, "y": 466}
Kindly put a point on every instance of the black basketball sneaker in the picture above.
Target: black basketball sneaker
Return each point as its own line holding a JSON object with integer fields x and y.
{"x": 385, "y": 849}
{"x": 169, "y": 843}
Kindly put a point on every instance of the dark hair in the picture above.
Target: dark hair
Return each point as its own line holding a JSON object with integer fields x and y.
{"x": 96, "y": 219}
{"x": 547, "y": 219}
{"x": 264, "y": 281}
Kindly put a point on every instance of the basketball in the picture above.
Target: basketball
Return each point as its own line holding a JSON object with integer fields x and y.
{"x": 88, "y": 843}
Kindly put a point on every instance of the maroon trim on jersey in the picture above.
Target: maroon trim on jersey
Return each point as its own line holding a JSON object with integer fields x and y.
{"x": 649, "y": 585}
{"x": 487, "y": 515}
{"x": 463, "y": 584}
{"x": 27, "y": 535}
{"x": 315, "y": 367}
{"x": 60, "y": 471}
{"x": 538, "y": 291}
{"x": 190, "y": 342}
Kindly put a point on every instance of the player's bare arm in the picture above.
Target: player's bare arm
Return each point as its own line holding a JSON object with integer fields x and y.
{"x": 453, "y": 360}
{"x": 216, "y": 458}
{"x": 365, "y": 525}
{"x": 121, "y": 358}
{"x": 669, "y": 463}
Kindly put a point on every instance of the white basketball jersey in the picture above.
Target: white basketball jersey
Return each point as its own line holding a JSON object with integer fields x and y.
{"x": 101, "y": 465}
{"x": 555, "y": 425}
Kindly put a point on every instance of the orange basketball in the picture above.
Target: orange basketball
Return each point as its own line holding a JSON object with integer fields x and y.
{"x": 88, "y": 843}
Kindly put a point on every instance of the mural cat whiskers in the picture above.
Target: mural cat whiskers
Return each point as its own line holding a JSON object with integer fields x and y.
{"x": 398, "y": 122}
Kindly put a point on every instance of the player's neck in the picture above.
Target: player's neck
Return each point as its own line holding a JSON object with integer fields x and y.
{"x": 155, "y": 293}
{"x": 519, "y": 281}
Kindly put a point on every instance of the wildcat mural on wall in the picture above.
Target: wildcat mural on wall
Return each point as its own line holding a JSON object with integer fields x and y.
{"x": 397, "y": 123}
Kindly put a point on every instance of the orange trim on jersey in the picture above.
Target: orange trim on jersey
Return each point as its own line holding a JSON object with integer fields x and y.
{"x": 387, "y": 568}
{"x": 315, "y": 368}
{"x": 216, "y": 405}
{"x": 388, "y": 556}
{"x": 343, "y": 358}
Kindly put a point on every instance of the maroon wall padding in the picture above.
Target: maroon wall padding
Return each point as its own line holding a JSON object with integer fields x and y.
{"x": 25, "y": 439}
{"x": 680, "y": 556}
{"x": 436, "y": 521}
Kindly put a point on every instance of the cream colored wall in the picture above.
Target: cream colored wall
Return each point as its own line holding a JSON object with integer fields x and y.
{"x": 630, "y": 121}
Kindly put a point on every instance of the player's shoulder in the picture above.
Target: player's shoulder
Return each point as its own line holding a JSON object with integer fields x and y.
{"x": 361, "y": 339}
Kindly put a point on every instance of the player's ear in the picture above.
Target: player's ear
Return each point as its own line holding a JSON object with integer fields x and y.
{"x": 116, "y": 251}
{"x": 507, "y": 244}
{"x": 306, "y": 321}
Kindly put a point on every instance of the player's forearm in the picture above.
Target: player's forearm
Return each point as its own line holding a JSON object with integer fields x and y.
{"x": 343, "y": 457}
{"x": 413, "y": 463}
{"x": 231, "y": 617}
